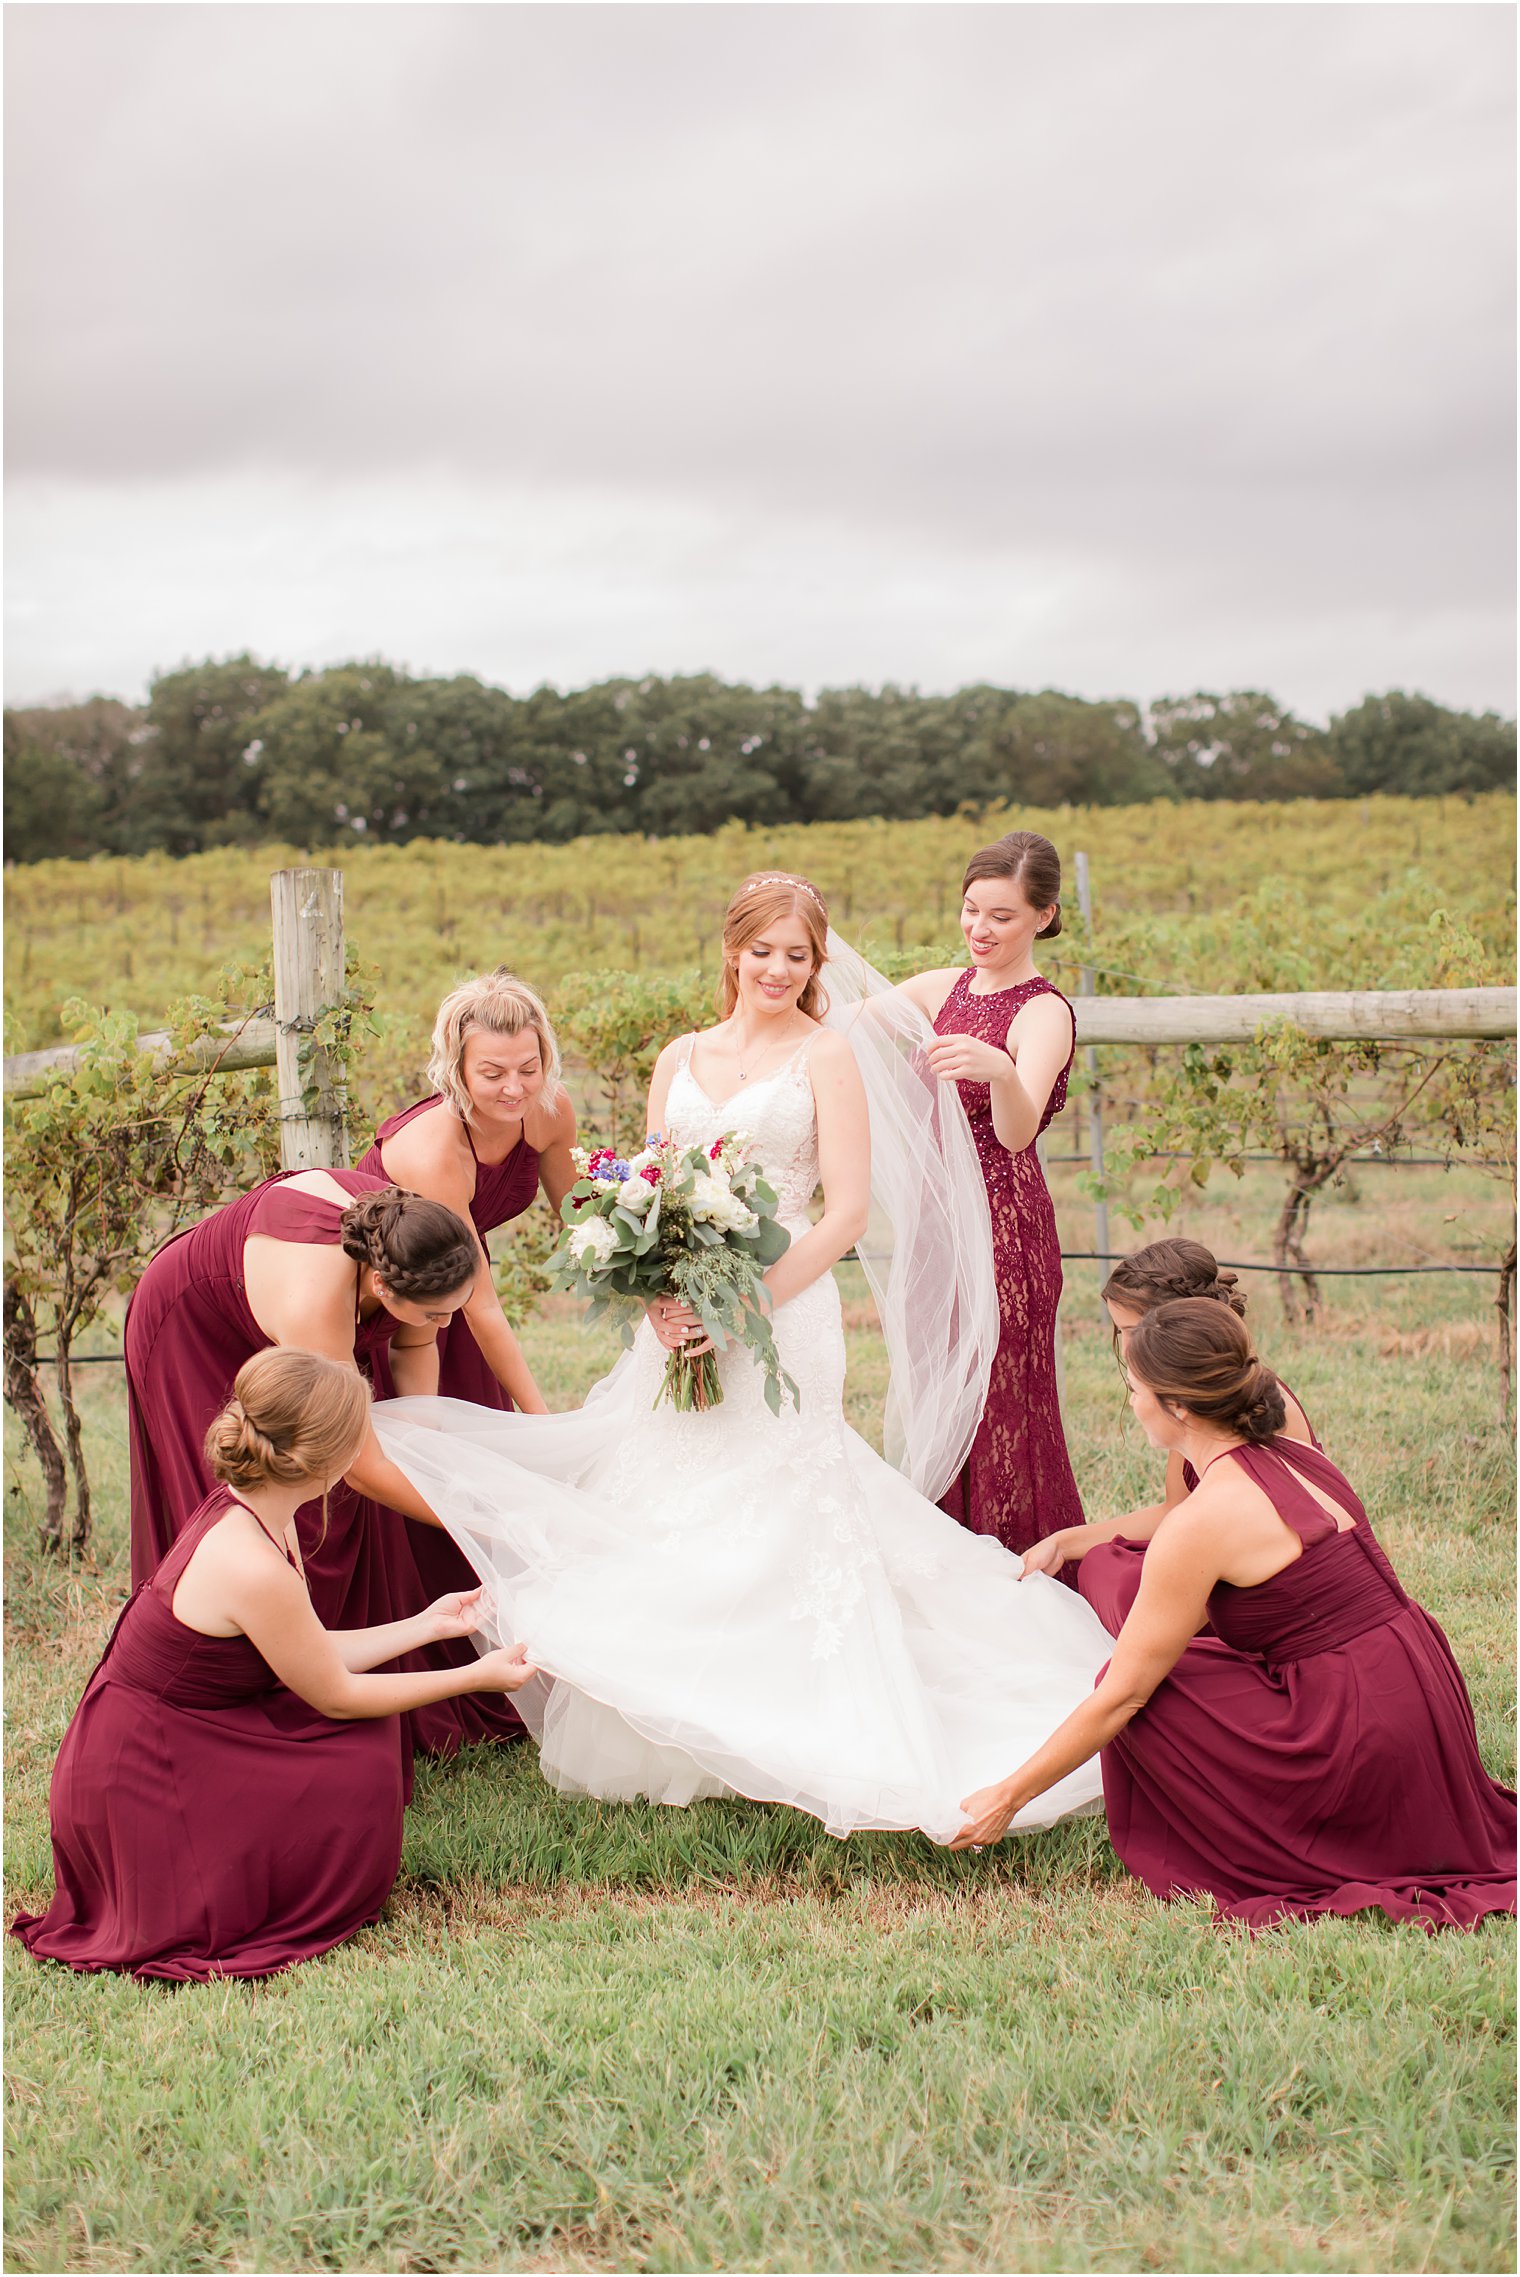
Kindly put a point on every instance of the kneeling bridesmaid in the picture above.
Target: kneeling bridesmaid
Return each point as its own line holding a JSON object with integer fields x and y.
{"x": 1317, "y": 1752}
{"x": 227, "y": 1799}
{"x": 1155, "y": 1275}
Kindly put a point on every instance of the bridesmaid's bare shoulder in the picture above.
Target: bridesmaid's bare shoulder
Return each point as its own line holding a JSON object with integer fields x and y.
{"x": 321, "y": 1185}
{"x": 431, "y": 1153}
{"x": 1044, "y": 1015}
{"x": 550, "y": 1120}
{"x": 930, "y": 990}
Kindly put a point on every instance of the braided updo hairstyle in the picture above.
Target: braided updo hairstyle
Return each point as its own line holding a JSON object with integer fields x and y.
{"x": 1197, "y": 1354}
{"x": 1164, "y": 1270}
{"x": 419, "y": 1248}
{"x": 292, "y": 1416}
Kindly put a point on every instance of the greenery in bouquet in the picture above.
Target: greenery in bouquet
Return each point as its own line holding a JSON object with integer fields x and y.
{"x": 696, "y": 1223}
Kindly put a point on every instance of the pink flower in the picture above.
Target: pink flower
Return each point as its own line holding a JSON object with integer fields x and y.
{"x": 652, "y": 1172}
{"x": 715, "y": 1150}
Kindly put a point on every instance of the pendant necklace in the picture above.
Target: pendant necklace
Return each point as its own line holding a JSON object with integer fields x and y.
{"x": 744, "y": 1073}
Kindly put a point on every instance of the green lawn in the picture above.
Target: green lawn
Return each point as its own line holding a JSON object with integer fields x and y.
{"x": 595, "y": 2037}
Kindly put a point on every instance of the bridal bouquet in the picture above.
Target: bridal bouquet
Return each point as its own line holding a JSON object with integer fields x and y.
{"x": 698, "y": 1223}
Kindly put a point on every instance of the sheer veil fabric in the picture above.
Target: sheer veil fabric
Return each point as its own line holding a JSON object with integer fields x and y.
{"x": 734, "y": 1602}
{"x": 927, "y": 1254}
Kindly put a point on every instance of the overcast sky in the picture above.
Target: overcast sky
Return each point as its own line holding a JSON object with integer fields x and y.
{"x": 1124, "y": 349}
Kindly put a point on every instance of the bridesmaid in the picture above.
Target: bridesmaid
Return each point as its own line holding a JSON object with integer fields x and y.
{"x": 1317, "y": 1753}
{"x": 1008, "y": 1038}
{"x": 227, "y": 1799}
{"x": 1148, "y": 1277}
{"x": 333, "y": 1260}
{"x": 497, "y": 1129}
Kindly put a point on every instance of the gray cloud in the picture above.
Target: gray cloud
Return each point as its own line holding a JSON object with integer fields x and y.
{"x": 1120, "y": 346}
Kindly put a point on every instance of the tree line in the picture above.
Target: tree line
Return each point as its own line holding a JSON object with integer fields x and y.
{"x": 234, "y": 752}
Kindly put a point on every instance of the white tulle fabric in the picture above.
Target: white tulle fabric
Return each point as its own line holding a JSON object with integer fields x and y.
{"x": 927, "y": 1252}
{"x": 735, "y": 1603}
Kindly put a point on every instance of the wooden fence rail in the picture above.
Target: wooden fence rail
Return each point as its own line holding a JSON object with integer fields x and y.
{"x": 1367, "y": 1015}
{"x": 1450, "y": 1015}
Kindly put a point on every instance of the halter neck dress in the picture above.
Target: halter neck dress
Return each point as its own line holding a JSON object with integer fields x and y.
{"x": 189, "y": 1329}
{"x": 1111, "y": 1582}
{"x": 1317, "y": 1752}
{"x": 423, "y": 1562}
{"x": 1017, "y": 1481}
{"x": 207, "y": 1822}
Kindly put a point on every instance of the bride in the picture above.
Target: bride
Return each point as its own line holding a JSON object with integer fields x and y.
{"x": 734, "y": 1602}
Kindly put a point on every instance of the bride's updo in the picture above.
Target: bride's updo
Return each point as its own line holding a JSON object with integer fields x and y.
{"x": 760, "y": 901}
{"x": 293, "y": 1415}
{"x": 1196, "y": 1353}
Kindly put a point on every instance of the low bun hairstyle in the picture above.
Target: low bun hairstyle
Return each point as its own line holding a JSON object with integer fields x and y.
{"x": 1198, "y": 1354}
{"x": 1164, "y": 1270}
{"x": 1034, "y": 867}
{"x": 293, "y": 1416}
{"x": 419, "y": 1248}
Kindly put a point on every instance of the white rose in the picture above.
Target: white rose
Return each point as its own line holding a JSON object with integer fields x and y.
{"x": 593, "y": 1242}
{"x": 637, "y": 1195}
{"x": 715, "y": 1205}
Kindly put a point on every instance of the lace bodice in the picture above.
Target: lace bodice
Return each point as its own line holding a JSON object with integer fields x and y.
{"x": 776, "y": 1112}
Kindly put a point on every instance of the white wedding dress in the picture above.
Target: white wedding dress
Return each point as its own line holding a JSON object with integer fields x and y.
{"x": 732, "y": 1602}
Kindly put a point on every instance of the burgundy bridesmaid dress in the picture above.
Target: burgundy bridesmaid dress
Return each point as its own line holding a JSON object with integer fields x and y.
{"x": 426, "y": 1562}
{"x": 1017, "y": 1481}
{"x": 206, "y": 1821}
{"x": 188, "y": 1331}
{"x": 1111, "y": 1587}
{"x": 1316, "y": 1753}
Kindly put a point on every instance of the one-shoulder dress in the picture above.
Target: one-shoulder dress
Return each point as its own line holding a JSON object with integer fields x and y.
{"x": 426, "y": 1563}
{"x": 206, "y": 1821}
{"x": 189, "y": 1329}
{"x": 1317, "y": 1752}
{"x": 1017, "y": 1481}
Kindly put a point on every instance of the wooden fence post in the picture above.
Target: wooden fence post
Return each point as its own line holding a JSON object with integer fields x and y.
{"x": 307, "y": 911}
{"x": 1087, "y": 986}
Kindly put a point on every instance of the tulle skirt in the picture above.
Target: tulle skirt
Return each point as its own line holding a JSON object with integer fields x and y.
{"x": 735, "y": 1603}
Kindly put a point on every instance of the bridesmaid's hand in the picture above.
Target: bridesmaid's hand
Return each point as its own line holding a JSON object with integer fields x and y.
{"x": 459, "y": 1614}
{"x": 966, "y": 1059}
{"x": 989, "y": 1813}
{"x": 507, "y": 1669}
{"x": 1050, "y": 1555}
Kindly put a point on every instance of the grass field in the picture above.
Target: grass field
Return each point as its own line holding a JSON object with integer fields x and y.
{"x": 595, "y": 2037}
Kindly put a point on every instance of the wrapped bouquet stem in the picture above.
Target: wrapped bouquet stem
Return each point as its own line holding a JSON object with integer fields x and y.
{"x": 695, "y": 1223}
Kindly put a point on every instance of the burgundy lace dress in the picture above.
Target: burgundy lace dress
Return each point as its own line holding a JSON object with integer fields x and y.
{"x": 424, "y": 1562}
{"x": 1316, "y": 1753}
{"x": 206, "y": 1821}
{"x": 1017, "y": 1481}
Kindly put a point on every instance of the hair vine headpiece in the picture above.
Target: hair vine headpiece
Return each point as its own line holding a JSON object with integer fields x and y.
{"x": 784, "y": 877}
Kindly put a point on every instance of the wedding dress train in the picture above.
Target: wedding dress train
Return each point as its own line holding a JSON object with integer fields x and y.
{"x": 731, "y": 1602}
